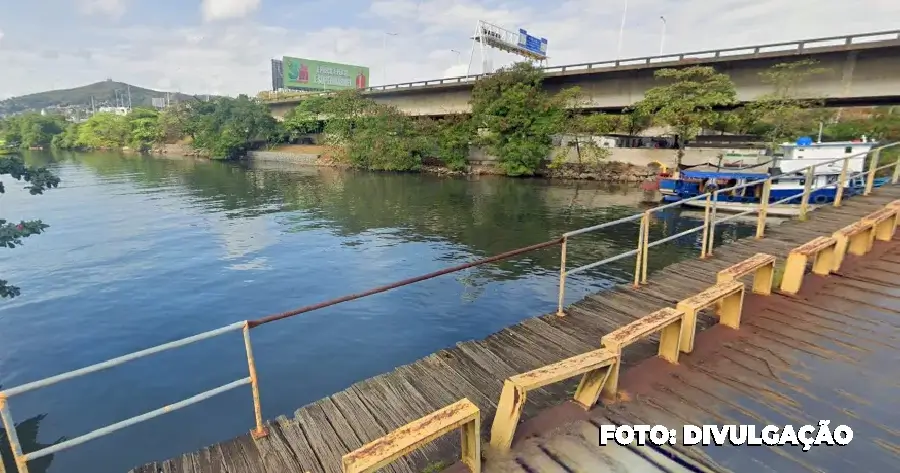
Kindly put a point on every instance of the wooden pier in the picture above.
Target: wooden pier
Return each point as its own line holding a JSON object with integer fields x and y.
{"x": 795, "y": 360}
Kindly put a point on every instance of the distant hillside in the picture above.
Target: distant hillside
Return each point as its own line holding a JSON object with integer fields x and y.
{"x": 104, "y": 93}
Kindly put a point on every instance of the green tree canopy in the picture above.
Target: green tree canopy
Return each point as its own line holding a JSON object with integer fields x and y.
{"x": 517, "y": 118}
{"x": 688, "y": 100}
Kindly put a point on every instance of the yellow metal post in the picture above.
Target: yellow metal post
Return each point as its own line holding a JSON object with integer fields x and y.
{"x": 873, "y": 166}
{"x": 712, "y": 225}
{"x": 705, "y": 226}
{"x": 562, "y": 279}
{"x": 640, "y": 252}
{"x": 260, "y": 431}
{"x": 14, "y": 446}
{"x": 763, "y": 209}
{"x": 839, "y": 195}
{"x": 896, "y": 177}
{"x": 807, "y": 189}
{"x": 646, "y": 251}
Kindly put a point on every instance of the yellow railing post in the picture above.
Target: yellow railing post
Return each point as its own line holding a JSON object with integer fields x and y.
{"x": 9, "y": 426}
{"x": 807, "y": 189}
{"x": 638, "y": 261}
{"x": 839, "y": 195}
{"x": 763, "y": 209}
{"x": 646, "y": 247}
{"x": 896, "y": 177}
{"x": 260, "y": 431}
{"x": 705, "y": 226}
{"x": 873, "y": 166}
{"x": 562, "y": 279}
{"x": 712, "y": 225}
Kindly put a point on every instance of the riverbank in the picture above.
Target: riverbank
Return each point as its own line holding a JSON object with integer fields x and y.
{"x": 606, "y": 171}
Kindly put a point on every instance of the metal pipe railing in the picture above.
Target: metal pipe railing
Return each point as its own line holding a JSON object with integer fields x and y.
{"x": 641, "y": 252}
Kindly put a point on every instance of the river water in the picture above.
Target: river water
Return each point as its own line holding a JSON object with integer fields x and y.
{"x": 142, "y": 251}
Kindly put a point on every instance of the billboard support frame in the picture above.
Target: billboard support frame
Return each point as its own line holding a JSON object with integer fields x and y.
{"x": 499, "y": 42}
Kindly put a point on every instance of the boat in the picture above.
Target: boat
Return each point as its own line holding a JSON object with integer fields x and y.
{"x": 790, "y": 167}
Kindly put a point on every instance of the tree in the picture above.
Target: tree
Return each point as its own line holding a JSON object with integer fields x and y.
{"x": 581, "y": 132}
{"x": 517, "y": 118}
{"x": 784, "y": 114}
{"x": 688, "y": 102}
{"x": 11, "y": 234}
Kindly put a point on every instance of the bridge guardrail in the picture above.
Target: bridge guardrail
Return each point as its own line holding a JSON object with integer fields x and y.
{"x": 799, "y": 46}
{"x": 641, "y": 252}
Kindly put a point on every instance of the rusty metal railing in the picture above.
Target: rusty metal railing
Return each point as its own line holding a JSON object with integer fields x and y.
{"x": 641, "y": 254}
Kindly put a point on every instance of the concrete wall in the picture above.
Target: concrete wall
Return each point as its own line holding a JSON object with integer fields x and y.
{"x": 863, "y": 73}
{"x": 283, "y": 156}
{"x": 641, "y": 157}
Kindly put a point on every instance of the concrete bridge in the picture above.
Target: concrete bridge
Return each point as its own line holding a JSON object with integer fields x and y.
{"x": 862, "y": 69}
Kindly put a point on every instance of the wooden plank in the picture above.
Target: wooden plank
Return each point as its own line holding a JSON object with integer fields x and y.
{"x": 295, "y": 437}
{"x": 366, "y": 427}
{"x": 392, "y": 412}
{"x": 275, "y": 454}
{"x": 209, "y": 460}
{"x": 322, "y": 437}
{"x": 410, "y": 436}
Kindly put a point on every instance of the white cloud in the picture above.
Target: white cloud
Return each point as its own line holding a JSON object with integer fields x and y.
{"x": 233, "y": 57}
{"x": 1, "y": 36}
{"x": 225, "y": 9}
{"x": 110, "y": 8}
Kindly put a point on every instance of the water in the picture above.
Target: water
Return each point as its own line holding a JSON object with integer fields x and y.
{"x": 143, "y": 251}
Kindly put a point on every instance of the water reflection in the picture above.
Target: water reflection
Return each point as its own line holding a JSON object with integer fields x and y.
{"x": 27, "y": 432}
{"x": 145, "y": 250}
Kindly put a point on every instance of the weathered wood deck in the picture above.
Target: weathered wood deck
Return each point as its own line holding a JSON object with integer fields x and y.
{"x": 322, "y": 432}
{"x": 829, "y": 354}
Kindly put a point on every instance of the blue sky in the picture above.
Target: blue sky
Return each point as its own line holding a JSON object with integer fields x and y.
{"x": 224, "y": 46}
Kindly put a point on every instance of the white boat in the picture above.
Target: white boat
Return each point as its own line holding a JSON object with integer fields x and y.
{"x": 779, "y": 210}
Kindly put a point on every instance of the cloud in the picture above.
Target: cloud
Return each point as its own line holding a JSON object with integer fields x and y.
{"x": 224, "y": 9}
{"x": 1, "y": 36}
{"x": 234, "y": 56}
{"x": 110, "y": 8}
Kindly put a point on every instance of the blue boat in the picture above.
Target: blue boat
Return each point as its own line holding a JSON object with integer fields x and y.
{"x": 696, "y": 180}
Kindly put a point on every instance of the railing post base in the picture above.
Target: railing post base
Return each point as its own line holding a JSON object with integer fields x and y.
{"x": 259, "y": 433}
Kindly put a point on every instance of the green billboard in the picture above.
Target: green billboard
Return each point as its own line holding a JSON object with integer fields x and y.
{"x": 306, "y": 74}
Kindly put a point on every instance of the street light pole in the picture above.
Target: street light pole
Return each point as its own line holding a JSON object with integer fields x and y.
{"x": 458, "y": 55}
{"x": 662, "y": 37}
{"x": 384, "y": 56}
{"x": 622, "y": 30}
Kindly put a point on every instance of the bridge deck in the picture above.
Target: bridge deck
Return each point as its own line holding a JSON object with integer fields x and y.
{"x": 791, "y": 342}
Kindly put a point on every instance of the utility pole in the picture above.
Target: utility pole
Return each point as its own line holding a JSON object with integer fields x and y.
{"x": 662, "y": 37}
{"x": 129, "y": 97}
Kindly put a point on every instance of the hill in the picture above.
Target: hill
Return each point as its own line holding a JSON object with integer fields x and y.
{"x": 104, "y": 94}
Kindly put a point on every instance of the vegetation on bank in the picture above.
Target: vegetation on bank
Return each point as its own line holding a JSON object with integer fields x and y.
{"x": 513, "y": 118}
{"x": 224, "y": 128}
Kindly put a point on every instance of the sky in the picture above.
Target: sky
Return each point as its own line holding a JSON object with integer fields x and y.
{"x": 225, "y": 46}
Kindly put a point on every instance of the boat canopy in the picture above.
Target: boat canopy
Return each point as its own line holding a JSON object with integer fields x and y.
{"x": 723, "y": 174}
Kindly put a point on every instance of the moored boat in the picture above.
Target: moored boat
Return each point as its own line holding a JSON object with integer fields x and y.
{"x": 785, "y": 189}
